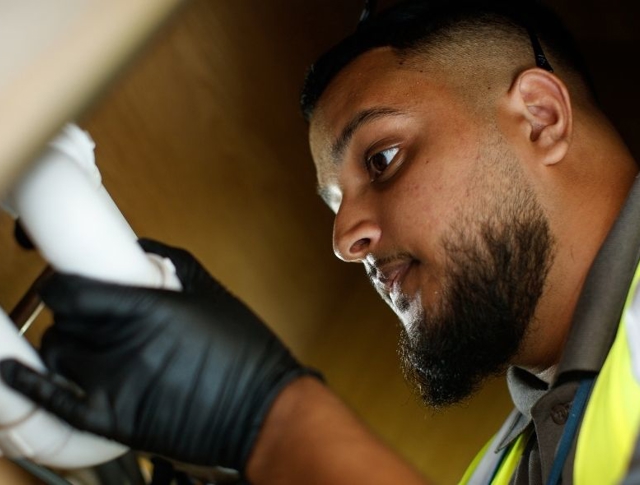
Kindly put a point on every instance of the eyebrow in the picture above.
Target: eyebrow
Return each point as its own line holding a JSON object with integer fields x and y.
{"x": 360, "y": 119}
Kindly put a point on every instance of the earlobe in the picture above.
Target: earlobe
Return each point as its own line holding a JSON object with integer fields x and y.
{"x": 544, "y": 103}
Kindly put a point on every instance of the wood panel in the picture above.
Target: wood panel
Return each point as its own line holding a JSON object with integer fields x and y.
{"x": 202, "y": 145}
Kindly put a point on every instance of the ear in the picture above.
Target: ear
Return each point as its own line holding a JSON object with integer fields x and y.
{"x": 541, "y": 102}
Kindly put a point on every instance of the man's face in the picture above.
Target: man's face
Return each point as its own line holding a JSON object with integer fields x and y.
{"x": 434, "y": 204}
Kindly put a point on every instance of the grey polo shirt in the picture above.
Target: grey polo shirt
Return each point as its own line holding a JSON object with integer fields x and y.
{"x": 545, "y": 410}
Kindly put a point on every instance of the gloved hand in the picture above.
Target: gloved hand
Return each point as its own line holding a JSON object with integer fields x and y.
{"x": 188, "y": 375}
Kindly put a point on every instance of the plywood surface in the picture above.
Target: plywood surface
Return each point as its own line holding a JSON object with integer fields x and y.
{"x": 201, "y": 144}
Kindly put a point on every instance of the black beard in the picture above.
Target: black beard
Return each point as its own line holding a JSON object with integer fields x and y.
{"x": 493, "y": 284}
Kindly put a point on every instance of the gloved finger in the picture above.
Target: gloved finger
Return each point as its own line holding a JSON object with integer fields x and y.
{"x": 60, "y": 397}
{"x": 177, "y": 255}
{"x": 188, "y": 268}
{"x": 191, "y": 273}
{"x": 89, "y": 300}
{"x": 44, "y": 389}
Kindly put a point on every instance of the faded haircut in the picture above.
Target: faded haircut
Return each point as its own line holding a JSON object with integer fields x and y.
{"x": 475, "y": 41}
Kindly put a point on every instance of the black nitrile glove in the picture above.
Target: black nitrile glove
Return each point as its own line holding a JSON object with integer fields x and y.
{"x": 188, "y": 375}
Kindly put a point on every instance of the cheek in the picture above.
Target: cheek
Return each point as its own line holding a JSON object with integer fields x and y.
{"x": 412, "y": 216}
{"x": 430, "y": 195}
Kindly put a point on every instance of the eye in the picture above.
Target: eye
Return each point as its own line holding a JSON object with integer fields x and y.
{"x": 378, "y": 162}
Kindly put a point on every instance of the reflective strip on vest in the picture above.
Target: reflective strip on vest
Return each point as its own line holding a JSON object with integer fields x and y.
{"x": 612, "y": 420}
{"x": 483, "y": 465}
{"x": 632, "y": 324}
{"x": 482, "y": 470}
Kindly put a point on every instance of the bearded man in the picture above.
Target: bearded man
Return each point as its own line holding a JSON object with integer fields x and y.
{"x": 492, "y": 204}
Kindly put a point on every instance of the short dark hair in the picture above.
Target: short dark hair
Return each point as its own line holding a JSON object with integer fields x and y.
{"x": 409, "y": 26}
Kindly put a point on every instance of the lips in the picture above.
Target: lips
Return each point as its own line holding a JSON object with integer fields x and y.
{"x": 389, "y": 276}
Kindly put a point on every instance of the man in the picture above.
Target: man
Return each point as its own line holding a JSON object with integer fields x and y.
{"x": 492, "y": 204}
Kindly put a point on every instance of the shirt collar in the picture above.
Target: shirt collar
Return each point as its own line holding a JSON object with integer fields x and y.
{"x": 525, "y": 390}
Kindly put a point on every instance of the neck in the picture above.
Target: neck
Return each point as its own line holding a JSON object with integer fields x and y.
{"x": 586, "y": 193}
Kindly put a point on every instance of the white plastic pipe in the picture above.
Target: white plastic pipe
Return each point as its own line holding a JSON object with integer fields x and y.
{"x": 75, "y": 224}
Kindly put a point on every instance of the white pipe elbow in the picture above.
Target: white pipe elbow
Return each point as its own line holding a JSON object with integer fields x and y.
{"x": 74, "y": 223}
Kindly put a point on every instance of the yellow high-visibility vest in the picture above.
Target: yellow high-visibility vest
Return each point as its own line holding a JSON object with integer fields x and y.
{"x": 611, "y": 423}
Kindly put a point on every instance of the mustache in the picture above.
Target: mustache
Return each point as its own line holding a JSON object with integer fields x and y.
{"x": 373, "y": 263}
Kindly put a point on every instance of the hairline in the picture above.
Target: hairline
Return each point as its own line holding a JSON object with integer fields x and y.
{"x": 499, "y": 27}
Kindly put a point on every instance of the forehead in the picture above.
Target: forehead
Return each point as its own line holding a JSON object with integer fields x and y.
{"x": 355, "y": 87}
{"x": 378, "y": 80}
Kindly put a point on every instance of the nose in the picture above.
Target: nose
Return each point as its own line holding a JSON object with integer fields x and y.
{"x": 355, "y": 232}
